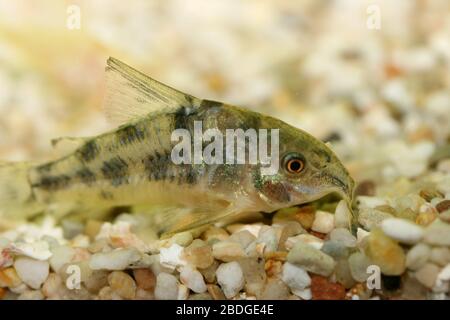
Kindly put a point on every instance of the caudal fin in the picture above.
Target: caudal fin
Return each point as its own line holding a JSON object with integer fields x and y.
{"x": 17, "y": 200}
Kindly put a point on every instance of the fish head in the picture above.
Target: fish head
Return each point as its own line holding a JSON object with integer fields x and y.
{"x": 307, "y": 170}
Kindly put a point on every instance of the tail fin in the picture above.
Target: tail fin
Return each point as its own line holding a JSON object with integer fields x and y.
{"x": 17, "y": 200}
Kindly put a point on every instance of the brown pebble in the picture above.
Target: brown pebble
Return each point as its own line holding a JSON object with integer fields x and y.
{"x": 429, "y": 194}
{"x": 273, "y": 267}
{"x": 276, "y": 255}
{"x": 122, "y": 284}
{"x": 215, "y": 292}
{"x": 305, "y": 216}
{"x": 323, "y": 289}
{"x": 443, "y": 206}
{"x": 198, "y": 254}
{"x": 365, "y": 188}
{"x": 2, "y": 293}
{"x": 145, "y": 279}
{"x": 318, "y": 234}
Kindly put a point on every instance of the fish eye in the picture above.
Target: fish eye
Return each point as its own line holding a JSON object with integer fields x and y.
{"x": 294, "y": 163}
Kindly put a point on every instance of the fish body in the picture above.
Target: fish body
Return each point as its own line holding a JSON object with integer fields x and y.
{"x": 134, "y": 164}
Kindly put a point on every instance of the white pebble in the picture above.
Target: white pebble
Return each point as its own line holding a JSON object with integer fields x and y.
{"x": 402, "y": 230}
{"x": 60, "y": 256}
{"x": 323, "y": 222}
{"x": 118, "y": 259}
{"x": 166, "y": 287}
{"x": 295, "y": 277}
{"x": 305, "y": 294}
{"x": 230, "y": 278}
{"x": 192, "y": 279}
{"x": 305, "y": 238}
{"x": 32, "y": 272}
{"x": 342, "y": 215}
{"x": 38, "y": 250}
{"x": 171, "y": 257}
{"x": 343, "y": 236}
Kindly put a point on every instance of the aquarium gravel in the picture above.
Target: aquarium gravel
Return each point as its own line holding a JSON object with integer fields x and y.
{"x": 381, "y": 98}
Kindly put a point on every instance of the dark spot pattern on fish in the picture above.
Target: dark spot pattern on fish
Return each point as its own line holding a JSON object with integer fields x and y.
{"x": 86, "y": 176}
{"x": 88, "y": 151}
{"x": 115, "y": 170}
{"x": 156, "y": 165}
{"x": 53, "y": 183}
{"x": 181, "y": 118}
{"x": 189, "y": 175}
{"x": 129, "y": 134}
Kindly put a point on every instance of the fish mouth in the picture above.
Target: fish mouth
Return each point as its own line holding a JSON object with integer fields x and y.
{"x": 344, "y": 186}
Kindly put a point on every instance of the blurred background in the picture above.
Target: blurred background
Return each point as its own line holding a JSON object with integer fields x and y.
{"x": 371, "y": 77}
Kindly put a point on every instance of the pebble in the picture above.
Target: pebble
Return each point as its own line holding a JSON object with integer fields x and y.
{"x": 9, "y": 278}
{"x": 417, "y": 256}
{"x": 440, "y": 256}
{"x": 311, "y": 259}
{"x": 386, "y": 253}
{"x": 304, "y": 294}
{"x": 213, "y": 234}
{"x": 365, "y": 188}
{"x": 38, "y": 250}
{"x": 118, "y": 259}
{"x": 323, "y": 289}
{"x": 342, "y": 273}
{"x": 32, "y": 272}
{"x": 358, "y": 264}
{"x": 230, "y": 278}
{"x": 361, "y": 235}
{"x": 343, "y": 236}
{"x": 53, "y": 287}
{"x": 370, "y": 202}
{"x": 371, "y": 218}
{"x": 60, "y": 256}
{"x": 427, "y": 275}
{"x": 254, "y": 274}
{"x": 244, "y": 238}
{"x": 145, "y": 279}
{"x": 342, "y": 215}
{"x": 96, "y": 281}
{"x": 275, "y": 289}
{"x": 269, "y": 236}
{"x": 31, "y": 295}
{"x": 142, "y": 294}
{"x": 305, "y": 216}
{"x": 402, "y": 230}
{"x": 107, "y": 293}
{"x": 335, "y": 249}
{"x": 166, "y": 287}
{"x": 295, "y": 277}
{"x": 445, "y": 216}
{"x": 209, "y": 273}
{"x": 437, "y": 233}
{"x": 227, "y": 251}
{"x": 192, "y": 279}
{"x": 172, "y": 256}
{"x": 199, "y": 254}
{"x": 304, "y": 238}
{"x": 323, "y": 222}
{"x": 443, "y": 206}
{"x": 215, "y": 292}
{"x": 122, "y": 284}
{"x": 183, "y": 292}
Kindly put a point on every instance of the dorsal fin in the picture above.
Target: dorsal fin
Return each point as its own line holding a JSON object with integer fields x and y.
{"x": 130, "y": 94}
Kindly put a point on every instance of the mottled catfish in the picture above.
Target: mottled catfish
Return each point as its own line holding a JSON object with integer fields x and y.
{"x": 132, "y": 165}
